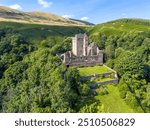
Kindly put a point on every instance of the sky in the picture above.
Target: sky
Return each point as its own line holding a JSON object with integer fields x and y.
{"x": 95, "y": 11}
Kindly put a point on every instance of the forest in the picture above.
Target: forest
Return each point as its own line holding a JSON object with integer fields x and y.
{"x": 33, "y": 78}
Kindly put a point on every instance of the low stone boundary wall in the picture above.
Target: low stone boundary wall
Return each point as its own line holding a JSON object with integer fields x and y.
{"x": 115, "y": 81}
{"x": 103, "y": 74}
{"x": 90, "y": 76}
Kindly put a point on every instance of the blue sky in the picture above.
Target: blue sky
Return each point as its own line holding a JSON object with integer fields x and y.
{"x": 95, "y": 11}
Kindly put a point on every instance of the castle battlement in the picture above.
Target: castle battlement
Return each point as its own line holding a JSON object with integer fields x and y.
{"x": 83, "y": 53}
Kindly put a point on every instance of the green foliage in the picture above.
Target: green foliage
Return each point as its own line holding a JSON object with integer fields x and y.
{"x": 100, "y": 39}
{"x": 132, "y": 91}
{"x": 92, "y": 108}
{"x": 123, "y": 88}
{"x": 146, "y": 101}
{"x": 102, "y": 90}
{"x": 84, "y": 89}
{"x": 40, "y": 84}
{"x": 131, "y": 101}
{"x": 131, "y": 63}
{"x": 37, "y": 82}
{"x": 110, "y": 47}
{"x": 13, "y": 47}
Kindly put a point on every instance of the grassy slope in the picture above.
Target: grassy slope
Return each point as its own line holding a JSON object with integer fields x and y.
{"x": 121, "y": 26}
{"x": 40, "y": 32}
{"x": 113, "y": 102}
{"x": 93, "y": 70}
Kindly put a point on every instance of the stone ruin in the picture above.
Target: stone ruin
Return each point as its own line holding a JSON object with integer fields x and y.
{"x": 83, "y": 53}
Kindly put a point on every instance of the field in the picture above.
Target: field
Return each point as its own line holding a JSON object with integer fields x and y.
{"x": 113, "y": 102}
{"x": 93, "y": 70}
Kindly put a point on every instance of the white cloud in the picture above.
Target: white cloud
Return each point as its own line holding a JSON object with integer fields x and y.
{"x": 67, "y": 16}
{"x": 84, "y": 18}
{"x": 44, "y": 3}
{"x": 16, "y": 6}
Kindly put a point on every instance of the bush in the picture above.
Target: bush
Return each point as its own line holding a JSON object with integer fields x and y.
{"x": 110, "y": 63}
{"x": 84, "y": 89}
{"x": 132, "y": 101}
{"x": 123, "y": 89}
{"x": 102, "y": 91}
{"x": 92, "y": 108}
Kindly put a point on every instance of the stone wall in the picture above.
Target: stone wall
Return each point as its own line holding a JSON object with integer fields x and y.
{"x": 72, "y": 60}
{"x": 114, "y": 81}
{"x": 111, "y": 74}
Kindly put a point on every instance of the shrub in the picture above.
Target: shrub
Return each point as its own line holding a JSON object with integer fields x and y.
{"x": 102, "y": 91}
{"x": 84, "y": 89}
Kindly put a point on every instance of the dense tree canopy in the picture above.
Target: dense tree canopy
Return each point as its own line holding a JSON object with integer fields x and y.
{"x": 36, "y": 81}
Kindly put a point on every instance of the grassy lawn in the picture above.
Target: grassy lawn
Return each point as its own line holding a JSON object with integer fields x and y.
{"x": 93, "y": 70}
{"x": 113, "y": 102}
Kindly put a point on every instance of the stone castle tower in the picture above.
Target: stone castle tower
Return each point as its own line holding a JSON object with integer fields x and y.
{"x": 79, "y": 45}
{"x": 83, "y": 54}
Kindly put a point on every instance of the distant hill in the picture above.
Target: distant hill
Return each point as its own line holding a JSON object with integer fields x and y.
{"x": 117, "y": 27}
{"x": 36, "y": 17}
{"x": 131, "y": 20}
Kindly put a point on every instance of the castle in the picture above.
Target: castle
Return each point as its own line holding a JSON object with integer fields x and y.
{"x": 83, "y": 53}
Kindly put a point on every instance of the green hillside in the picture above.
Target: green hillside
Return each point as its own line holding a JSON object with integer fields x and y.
{"x": 118, "y": 27}
{"x": 40, "y": 32}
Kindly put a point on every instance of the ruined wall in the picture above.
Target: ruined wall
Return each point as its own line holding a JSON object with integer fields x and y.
{"x": 114, "y": 81}
{"x": 86, "y": 60}
{"x": 74, "y": 47}
{"x": 85, "y": 45}
{"x": 69, "y": 59}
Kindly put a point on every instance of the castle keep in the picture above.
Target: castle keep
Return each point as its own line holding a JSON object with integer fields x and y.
{"x": 83, "y": 53}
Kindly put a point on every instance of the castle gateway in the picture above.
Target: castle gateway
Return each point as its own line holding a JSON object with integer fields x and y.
{"x": 83, "y": 53}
